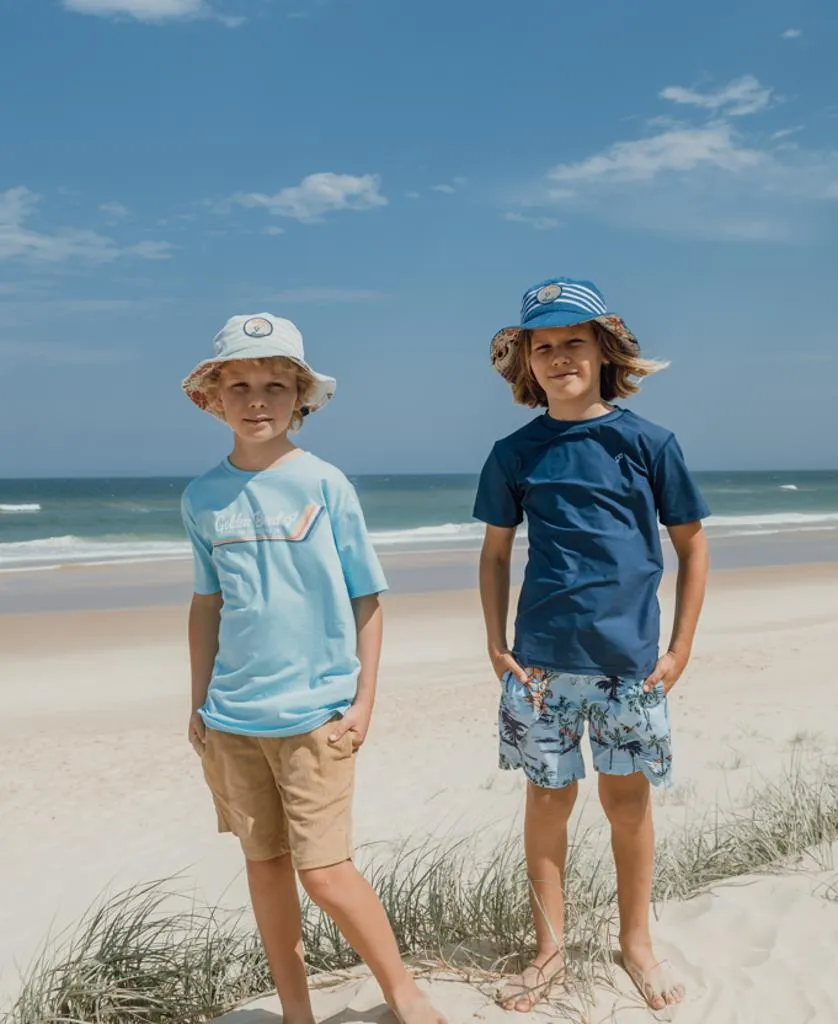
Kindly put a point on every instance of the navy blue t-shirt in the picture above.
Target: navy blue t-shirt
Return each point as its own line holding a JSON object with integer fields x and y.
{"x": 593, "y": 492}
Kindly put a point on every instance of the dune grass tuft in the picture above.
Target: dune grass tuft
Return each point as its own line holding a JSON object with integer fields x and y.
{"x": 152, "y": 956}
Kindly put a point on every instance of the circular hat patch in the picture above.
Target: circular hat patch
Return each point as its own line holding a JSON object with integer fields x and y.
{"x": 549, "y": 293}
{"x": 257, "y": 327}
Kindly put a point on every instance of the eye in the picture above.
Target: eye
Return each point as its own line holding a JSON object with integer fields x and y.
{"x": 542, "y": 348}
{"x": 238, "y": 385}
{"x": 277, "y": 384}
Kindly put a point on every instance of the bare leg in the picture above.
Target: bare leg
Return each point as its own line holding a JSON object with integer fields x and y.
{"x": 545, "y": 843}
{"x": 350, "y": 901}
{"x": 628, "y": 806}
{"x": 276, "y": 906}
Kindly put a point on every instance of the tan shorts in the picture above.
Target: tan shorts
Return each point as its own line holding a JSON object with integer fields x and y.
{"x": 291, "y": 794}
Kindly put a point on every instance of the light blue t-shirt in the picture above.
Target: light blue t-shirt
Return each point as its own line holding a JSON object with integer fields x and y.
{"x": 288, "y": 550}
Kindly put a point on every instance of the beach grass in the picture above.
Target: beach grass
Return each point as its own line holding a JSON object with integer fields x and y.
{"x": 150, "y": 955}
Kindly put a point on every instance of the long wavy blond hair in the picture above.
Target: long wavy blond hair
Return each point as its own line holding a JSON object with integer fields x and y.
{"x": 619, "y": 377}
{"x": 211, "y": 382}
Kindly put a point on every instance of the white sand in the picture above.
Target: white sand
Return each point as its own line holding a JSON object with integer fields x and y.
{"x": 761, "y": 951}
{"x": 98, "y": 787}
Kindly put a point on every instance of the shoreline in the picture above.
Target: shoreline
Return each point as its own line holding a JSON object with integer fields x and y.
{"x": 147, "y": 584}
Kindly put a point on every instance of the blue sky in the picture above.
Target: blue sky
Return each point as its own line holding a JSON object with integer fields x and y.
{"x": 392, "y": 176}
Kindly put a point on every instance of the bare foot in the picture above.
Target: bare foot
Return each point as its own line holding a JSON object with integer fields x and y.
{"x": 412, "y": 1006}
{"x": 652, "y": 977}
{"x": 522, "y": 992}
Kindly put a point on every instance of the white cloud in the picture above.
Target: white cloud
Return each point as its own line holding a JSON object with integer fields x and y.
{"x": 115, "y": 212}
{"x": 19, "y": 241}
{"x": 412, "y": 195}
{"x": 273, "y": 229}
{"x": 792, "y": 33}
{"x": 449, "y": 188}
{"x": 53, "y": 354}
{"x": 707, "y": 181}
{"x": 151, "y": 250}
{"x": 678, "y": 149}
{"x": 784, "y": 133}
{"x": 34, "y": 308}
{"x": 539, "y": 223}
{"x": 742, "y": 96}
{"x": 141, "y": 10}
{"x": 318, "y": 195}
{"x": 324, "y": 295}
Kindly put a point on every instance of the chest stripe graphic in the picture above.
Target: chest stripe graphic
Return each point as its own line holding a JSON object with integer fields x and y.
{"x": 297, "y": 532}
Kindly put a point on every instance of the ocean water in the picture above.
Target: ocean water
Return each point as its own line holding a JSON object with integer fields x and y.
{"x": 47, "y": 524}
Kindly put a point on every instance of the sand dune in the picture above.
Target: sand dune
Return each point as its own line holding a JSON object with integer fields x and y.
{"x": 761, "y": 951}
{"x": 99, "y": 789}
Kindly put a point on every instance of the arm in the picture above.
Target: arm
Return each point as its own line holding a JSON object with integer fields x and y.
{"x": 495, "y": 566}
{"x": 690, "y": 543}
{"x": 369, "y": 622}
{"x": 369, "y": 619}
{"x": 204, "y": 620}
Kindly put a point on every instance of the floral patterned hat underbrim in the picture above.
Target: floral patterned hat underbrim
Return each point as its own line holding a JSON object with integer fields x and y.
{"x": 502, "y": 351}
{"x": 195, "y": 385}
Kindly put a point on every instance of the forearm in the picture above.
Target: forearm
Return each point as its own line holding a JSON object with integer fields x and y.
{"x": 369, "y": 619}
{"x": 689, "y": 597}
{"x": 204, "y": 620}
{"x": 494, "y": 597}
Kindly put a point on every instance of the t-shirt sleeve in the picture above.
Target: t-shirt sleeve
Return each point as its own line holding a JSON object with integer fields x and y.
{"x": 677, "y": 497}
{"x": 205, "y": 576}
{"x": 361, "y": 568}
{"x": 498, "y": 501}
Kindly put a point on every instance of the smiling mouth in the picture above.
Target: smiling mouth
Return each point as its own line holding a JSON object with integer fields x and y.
{"x": 564, "y": 376}
{"x": 259, "y": 419}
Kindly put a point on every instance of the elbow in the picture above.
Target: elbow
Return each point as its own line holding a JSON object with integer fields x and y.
{"x": 697, "y": 557}
{"x": 494, "y": 563}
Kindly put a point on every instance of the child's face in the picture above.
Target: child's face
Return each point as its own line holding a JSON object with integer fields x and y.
{"x": 258, "y": 400}
{"x": 566, "y": 362}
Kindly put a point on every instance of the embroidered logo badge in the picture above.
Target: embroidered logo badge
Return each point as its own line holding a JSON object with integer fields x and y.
{"x": 258, "y": 327}
{"x": 549, "y": 293}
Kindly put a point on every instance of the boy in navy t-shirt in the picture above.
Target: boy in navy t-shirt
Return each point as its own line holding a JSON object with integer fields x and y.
{"x": 593, "y": 481}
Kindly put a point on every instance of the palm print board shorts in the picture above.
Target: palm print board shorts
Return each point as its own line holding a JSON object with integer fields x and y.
{"x": 541, "y": 723}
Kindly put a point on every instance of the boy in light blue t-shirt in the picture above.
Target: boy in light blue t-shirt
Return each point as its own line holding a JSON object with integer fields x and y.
{"x": 285, "y": 637}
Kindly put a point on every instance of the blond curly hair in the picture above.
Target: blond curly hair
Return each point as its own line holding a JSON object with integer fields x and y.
{"x": 211, "y": 382}
{"x": 619, "y": 377}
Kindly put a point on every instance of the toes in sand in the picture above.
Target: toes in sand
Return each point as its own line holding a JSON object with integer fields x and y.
{"x": 655, "y": 982}
{"x": 522, "y": 992}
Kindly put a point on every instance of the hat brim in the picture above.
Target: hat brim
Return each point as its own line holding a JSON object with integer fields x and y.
{"x": 502, "y": 349}
{"x": 194, "y": 386}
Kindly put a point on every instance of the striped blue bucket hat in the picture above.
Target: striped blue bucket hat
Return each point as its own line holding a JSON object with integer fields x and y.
{"x": 557, "y": 302}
